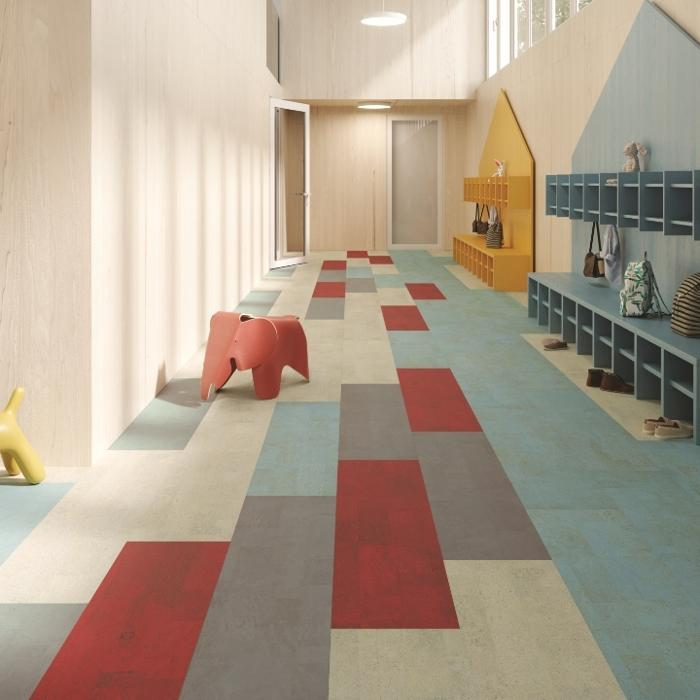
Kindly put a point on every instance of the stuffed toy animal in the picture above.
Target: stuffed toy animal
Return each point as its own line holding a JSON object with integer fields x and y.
{"x": 500, "y": 168}
{"x": 631, "y": 160}
{"x": 643, "y": 156}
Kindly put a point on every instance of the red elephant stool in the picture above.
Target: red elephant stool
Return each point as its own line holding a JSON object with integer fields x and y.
{"x": 265, "y": 345}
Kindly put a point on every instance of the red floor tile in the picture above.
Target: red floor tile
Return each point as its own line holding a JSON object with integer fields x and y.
{"x": 380, "y": 260}
{"x": 358, "y": 254}
{"x": 329, "y": 289}
{"x": 388, "y": 569}
{"x": 424, "y": 290}
{"x": 435, "y": 402}
{"x": 334, "y": 265}
{"x": 403, "y": 318}
{"x": 137, "y": 635}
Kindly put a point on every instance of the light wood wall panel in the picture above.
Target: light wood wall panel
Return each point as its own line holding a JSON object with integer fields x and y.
{"x": 180, "y": 177}
{"x": 328, "y": 54}
{"x": 45, "y": 221}
{"x": 553, "y": 88}
{"x": 349, "y": 175}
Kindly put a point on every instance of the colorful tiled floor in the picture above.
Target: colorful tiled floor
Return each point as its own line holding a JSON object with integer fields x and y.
{"x": 439, "y": 513}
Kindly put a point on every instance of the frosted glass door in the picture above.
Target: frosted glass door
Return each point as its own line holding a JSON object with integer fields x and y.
{"x": 414, "y": 182}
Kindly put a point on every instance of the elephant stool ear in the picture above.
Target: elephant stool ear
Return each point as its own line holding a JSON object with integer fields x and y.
{"x": 254, "y": 343}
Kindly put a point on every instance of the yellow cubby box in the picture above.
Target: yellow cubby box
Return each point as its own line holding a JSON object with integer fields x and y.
{"x": 505, "y": 269}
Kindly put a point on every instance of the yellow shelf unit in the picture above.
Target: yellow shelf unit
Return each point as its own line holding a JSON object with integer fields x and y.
{"x": 495, "y": 267}
{"x": 512, "y": 192}
{"x": 504, "y": 269}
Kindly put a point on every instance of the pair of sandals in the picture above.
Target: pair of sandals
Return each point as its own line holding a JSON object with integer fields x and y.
{"x": 667, "y": 428}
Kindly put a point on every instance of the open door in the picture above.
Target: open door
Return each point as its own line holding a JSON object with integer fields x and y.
{"x": 290, "y": 186}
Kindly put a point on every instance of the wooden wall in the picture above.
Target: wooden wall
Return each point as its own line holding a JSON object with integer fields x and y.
{"x": 327, "y": 54}
{"x": 349, "y": 175}
{"x": 180, "y": 178}
{"x": 553, "y": 88}
{"x": 45, "y": 221}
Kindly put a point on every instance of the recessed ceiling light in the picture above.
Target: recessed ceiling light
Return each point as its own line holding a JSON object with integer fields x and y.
{"x": 384, "y": 19}
{"x": 374, "y": 105}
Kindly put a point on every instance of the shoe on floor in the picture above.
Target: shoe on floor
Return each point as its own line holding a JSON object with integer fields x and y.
{"x": 651, "y": 424}
{"x": 595, "y": 376}
{"x": 554, "y": 344}
{"x": 617, "y": 385}
{"x": 674, "y": 430}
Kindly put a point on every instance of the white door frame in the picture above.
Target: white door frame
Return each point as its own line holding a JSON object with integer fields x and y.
{"x": 276, "y": 103}
{"x": 390, "y": 182}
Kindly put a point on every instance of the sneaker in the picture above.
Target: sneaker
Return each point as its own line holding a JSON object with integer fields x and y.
{"x": 611, "y": 382}
{"x": 651, "y": 424}
{"x": 595, "y": 376}
{"x": 555, "y": 344}
{"x": 674, "y": 430}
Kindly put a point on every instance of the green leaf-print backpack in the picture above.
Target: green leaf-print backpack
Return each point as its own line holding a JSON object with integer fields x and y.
{"x": 640, "y": 296}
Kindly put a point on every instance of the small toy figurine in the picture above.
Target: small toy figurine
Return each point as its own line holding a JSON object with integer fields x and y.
{"x": 631, "y": 160}
{"x": 500, "y": 168}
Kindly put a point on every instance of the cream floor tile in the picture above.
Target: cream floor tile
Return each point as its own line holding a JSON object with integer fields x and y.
{"x": 395, "y": 296}
{"x": 292, "y": 302}
{"x": 441, "y": 253}
{"x": 360, "y": 328}
{"x": 327, "y": 255}
{"x": 398, "y": 665}
{"x": 361, "y": 304}
{"x": 520, "y": 297}
{"x": 358, "y": 262}
{"x": 384, "y": 270}
{"x": 625, "y": 410}
{"x": 524, "y": 633}
{"x": 368, "y": 362}
{"x": 465, "y": 277}
{"x": 521, "y": 637}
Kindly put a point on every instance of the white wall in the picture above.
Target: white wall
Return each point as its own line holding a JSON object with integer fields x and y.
{"x": 45, "y": 221}
{"x": 328, "y": 55}
{"x": 180, "y": 99}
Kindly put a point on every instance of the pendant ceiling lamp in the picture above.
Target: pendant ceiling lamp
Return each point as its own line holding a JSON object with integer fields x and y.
{"x": 384, "y": 18}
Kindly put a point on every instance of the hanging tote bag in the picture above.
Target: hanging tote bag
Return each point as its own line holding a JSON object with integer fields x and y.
{"x": 593, "y": 263}
{"x": 481, "y": 225}
{"x": 494, "y": 234}
{"x": 640, "y": 296}
{"x": 477, "y": 218}
{"x": 685, "y": 319}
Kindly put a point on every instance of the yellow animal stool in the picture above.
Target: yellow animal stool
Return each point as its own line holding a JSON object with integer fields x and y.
{"x": 17, "y": 453}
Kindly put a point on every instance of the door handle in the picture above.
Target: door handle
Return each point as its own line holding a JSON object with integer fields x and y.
{"x": 302, "y": 194}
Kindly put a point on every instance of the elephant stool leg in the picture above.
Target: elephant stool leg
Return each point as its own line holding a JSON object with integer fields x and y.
{"x": 11, "y": 466}
{"x": 267, "y": 380}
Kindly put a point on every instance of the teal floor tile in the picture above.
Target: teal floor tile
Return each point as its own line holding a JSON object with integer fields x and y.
{"x": 22, "y": 508}
{"x": 300, "y": 453}
{"x": 169, "y": 421}
{"x": 258, "y": 302}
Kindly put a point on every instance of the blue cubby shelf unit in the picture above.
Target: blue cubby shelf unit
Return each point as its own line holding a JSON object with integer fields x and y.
{"x": 645, "y": 352}
{"x": 667, "y": 201}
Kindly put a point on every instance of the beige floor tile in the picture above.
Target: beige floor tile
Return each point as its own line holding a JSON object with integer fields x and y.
{"x": 624, "y": 409}
{"x": 465, "y": 277}
{"x": 384, "y": 270}
{"x": 368, "y": 362}
{"x": 358, "y": 262}
{"x": 524, "y": 633}
{"x": 395, "y": 296}
{"x": 520, "y": 297}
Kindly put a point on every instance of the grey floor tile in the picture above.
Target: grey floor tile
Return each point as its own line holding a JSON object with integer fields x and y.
{"x": 169, "y": 421}
{"x": 373, "y": 423}
{"x": 360, "y": 284}
{"x": 326, "y": 309}
{"x": 331, "y": 276}
{"x": 267, "y": 632}
{"x": 30, "y": 637}
{"x": 477, "y": 513}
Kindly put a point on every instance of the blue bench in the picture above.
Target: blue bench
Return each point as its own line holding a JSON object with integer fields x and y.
{"x": 661, "y": 364}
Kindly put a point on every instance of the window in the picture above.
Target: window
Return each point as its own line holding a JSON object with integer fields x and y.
{"x": 513, "y": 26}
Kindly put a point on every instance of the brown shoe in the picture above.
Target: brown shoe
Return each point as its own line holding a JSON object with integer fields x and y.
{"x": 555, "y": 344}
{"x": 611, "y": 382}
{"x": 594, "y": 377}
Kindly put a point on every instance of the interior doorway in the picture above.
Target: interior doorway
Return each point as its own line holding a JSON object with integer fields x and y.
{"x": 414, "y": 207}
{"x": 290, "y": 182}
